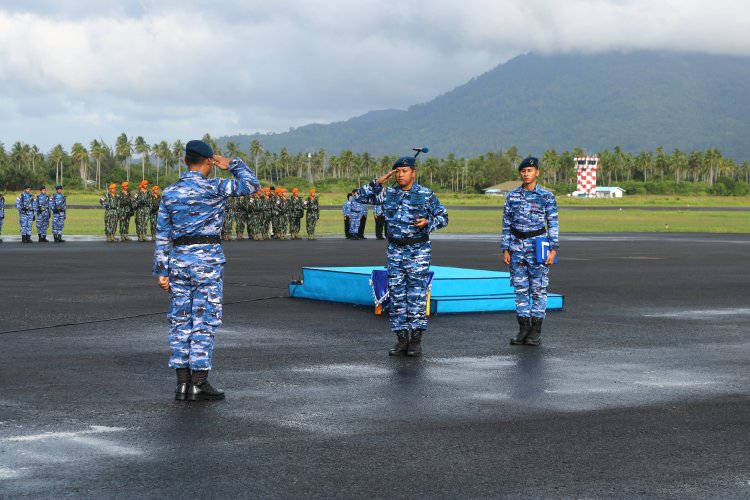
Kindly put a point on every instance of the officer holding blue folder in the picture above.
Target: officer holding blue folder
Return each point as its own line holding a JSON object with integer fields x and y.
{"x": 530, "y": 212}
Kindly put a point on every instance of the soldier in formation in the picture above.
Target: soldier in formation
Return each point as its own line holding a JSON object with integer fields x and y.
{"x": 59, "y": 206}
{"x": 267, "y": 213}
{"x": 126, "y": 207}
{"x": 154, "y": 200}
{"x": 2, "y": 213}
{"x": 355, "y": 217}
{"x": 412, "y": 213}
{"x": 281, "y": 214}
{"x": 380, "y": 229}
{"x": 313, "y": 213}
{"x": 25, "y": 205}
{"x": 142, "y": 208}
{"x": 530, "y": 211}
{"x": 41, "y": 208}
{"x": 296, "y": 212}
{"x": 240, "y": 217}
{"x": 111, "y": 204}
{"x": 229, "y": 217}
{"x": 189, "y": 262}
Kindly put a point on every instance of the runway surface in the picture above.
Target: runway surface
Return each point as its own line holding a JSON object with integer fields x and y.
{"x": 640, "y": 390}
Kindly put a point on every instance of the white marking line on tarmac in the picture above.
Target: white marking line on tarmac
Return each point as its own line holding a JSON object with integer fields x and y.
{"x": 94, "y": 429}
{"x": 702, "y": 314}
{"x": 8, "y": 473}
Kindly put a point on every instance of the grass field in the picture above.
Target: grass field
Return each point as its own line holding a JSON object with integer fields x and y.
{"x": 91, "y": 222}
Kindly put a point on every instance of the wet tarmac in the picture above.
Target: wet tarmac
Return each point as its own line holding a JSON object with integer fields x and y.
{"x": 640, "y": 390}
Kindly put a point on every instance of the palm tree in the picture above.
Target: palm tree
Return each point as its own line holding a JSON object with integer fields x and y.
{"x": 178, "y": 151}
{"x": 58, "y": 155}
{"x": 256, "y": 148}
{"x": 123, "y": 150}
{"x": 79, "y": 154}
{"x": 161, "y": 151}
{"x": 34, "y": 155}
{"x": 98, "y": 153}
{"x": 233, "y": 150}
{"x": 18, "y": 154}
{"x": 144, "y": 149}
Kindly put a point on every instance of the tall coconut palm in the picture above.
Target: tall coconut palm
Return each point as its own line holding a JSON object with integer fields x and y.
{"x": 58, "y": 156}
{"x": 79, "y": 154}
{"x": 35, "y": 155}
{"x": 18, "y": 154}
{"x": 124, "y": 150}
{"x": 144, "y": 149}
{"x": 98, "y": 151}
{"x": 256, "y": 149}
{"x": 233, "y": 150}
{"x": 162, "y": 152}
{"x": 178, "y": 151}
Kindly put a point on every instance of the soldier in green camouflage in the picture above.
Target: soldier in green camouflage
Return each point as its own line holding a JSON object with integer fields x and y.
{"x": 240, "y": 216}
{"x": 111, "y": 204}
{"x": 313, "y": 213}
{"x": 252, "y": 216}
{"x": 296, "y": 212}
{"x": 280, "y": 214}
{"x": 142, "y": 206}
{"x": 267, "y": 214}
{"x": 154, "y": 200}
{"x": 125, "y": 210}
{"x": 226, "y": 233}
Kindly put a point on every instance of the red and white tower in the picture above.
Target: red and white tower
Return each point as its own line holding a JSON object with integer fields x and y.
{"x": 586, "y": 167}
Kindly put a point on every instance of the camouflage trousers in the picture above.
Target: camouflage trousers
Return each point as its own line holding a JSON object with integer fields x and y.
{"x": 294, "y": 224}
{"x": 280, "y": 224}
{"x": 311, "y": 222}
{"x": 194, "y": 314}
{"x": 110, "y": 222}
{"x": 408, "y": 268}
{"x": 141, "y": 221}
{"x": 152, "y": 224}
{"x": 529, "y": 279}
{"x": 241, "y": 222}
{"x": 58, "y": 222}
{"x": 1, "y": 224}
{"x": 25, "y": 220}
{"x": 228, "y": 224}
{"x": 124, "y": 221}
{"x": 42, "y": 222}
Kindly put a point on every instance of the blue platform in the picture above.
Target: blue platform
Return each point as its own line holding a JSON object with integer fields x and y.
{"x": 454, "y": 289}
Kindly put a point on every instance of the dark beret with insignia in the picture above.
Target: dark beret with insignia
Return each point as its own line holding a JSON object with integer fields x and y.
{"x": 406, "y": 161}
{"x": 27, "y": 186}
{"x": 42, "y": 188}
{"x": 200, "y": 148}
{"x": 529, "y": 162}
{"x": 58, "y": 187}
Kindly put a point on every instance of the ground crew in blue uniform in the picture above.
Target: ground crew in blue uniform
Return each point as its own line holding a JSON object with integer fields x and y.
{"x": 2, "y": 213}
{"x": 380, "y": 230}
{"x": 25, "y": 205}
{"x": 363, "y": 211}
{"x": 59, "y": 206}
{"x": 41, "y": 206}
{"x": 355, "y": 216}
{"x": 530, "y": 211}
{"x": 412, "y": 212}
{"x": 191, "y": 217}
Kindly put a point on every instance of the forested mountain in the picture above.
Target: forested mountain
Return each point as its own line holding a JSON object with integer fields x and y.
{"x": 638, "y": 101}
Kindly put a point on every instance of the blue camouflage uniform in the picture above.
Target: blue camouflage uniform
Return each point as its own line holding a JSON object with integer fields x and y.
{"x": 59, "y": 206}
{"x": 355, "y": 213}
{"x": 528, "y": 212}
{"x": 408, "y": 264}
{"x": 2, "y": 213}
{"x": 25, "y": 204}
{"x": 41, "y": 205}
{"x": 195, "y": 206}
{"x": 347, "y": 213}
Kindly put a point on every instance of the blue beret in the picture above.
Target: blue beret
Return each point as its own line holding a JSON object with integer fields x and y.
{"x": 59, "y": 186}
{"x": 529, "y": 162}
{"x": 200, "y": 148}
{"x": 406, "y": 161}
{"x": 27, "y": 186}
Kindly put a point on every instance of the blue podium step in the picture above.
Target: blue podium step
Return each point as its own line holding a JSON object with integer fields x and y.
{"x": 454, "y": 289}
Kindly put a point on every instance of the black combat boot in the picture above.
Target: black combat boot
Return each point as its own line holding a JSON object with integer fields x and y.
{"x": 39, "y": 238}
{"x": 201, "y": 390}
{"x": 415, "y": 344}
{"x": 28, "y": 238}
{"x": 524, "y": 323}
{"x": 535, "y": 336}
{"x": 59, "y": 239}
{"x": 44, "y": 237}
{"x": 403, "y": 344}
{"x": 183, "y": 384}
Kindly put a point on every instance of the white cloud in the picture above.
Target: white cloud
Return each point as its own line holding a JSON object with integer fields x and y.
{"x": 72, "y": 71}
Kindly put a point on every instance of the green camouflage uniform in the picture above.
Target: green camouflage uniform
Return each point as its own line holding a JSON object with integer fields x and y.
{"x": 280, "y": 212}
{"x": 267, "y": 216}
{"x": 296, "y": 212}
{"x": 252, "y": 217}
{"x": 229, "y": 210}
{"x": 240, "y": 216}
{"x": 154, "y": 201}
{"x": 313, "y": 214}
{"x": 111, "y": 204}
{"x": 125, "y": 212}
{"x": 142, "y": 211}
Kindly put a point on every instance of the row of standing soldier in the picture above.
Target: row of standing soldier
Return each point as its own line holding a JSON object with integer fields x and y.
{"x": 120, "y": 206}
{"x": 42, "y": 209}
{"x": 269, "y": 214}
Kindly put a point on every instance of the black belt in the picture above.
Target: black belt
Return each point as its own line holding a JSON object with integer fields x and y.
{"x": 527, "y": 234}
{"x": 409, "y": 241}
{"x": 197, "y": 240}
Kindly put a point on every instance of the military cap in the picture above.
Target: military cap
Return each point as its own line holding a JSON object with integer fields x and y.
{"x": 42, "y": 188}
{"x": 406, "y": 161}
{"x": 27, "y": 186}
{"x": 58, "y": 186}
{"x": 154, "y": 188}
{"x": 529, "y": 161}
{"x": 112, "y": 186}
{"x": 125, "y": 184}
{"x": 200, "y": 148}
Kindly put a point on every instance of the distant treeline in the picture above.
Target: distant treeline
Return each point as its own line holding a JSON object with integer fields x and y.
{"x": 92, "y": 167}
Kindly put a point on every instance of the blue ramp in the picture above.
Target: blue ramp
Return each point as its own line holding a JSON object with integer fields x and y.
{"x": 454, "y": 289}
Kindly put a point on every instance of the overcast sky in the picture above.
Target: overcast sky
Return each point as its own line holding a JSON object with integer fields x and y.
{"x": 75, "y": 70}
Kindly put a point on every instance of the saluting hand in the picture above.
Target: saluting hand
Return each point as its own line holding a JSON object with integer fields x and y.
{"x": 221, "y": 161}
{"x": 164, "y": 283}
{"x": 385, "y": 177}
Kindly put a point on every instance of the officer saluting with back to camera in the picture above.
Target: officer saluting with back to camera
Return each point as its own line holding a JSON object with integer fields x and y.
{"x": 412, "y": 212}
{"x": 530, "y": 211}
{"x": 191, "y": 216}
